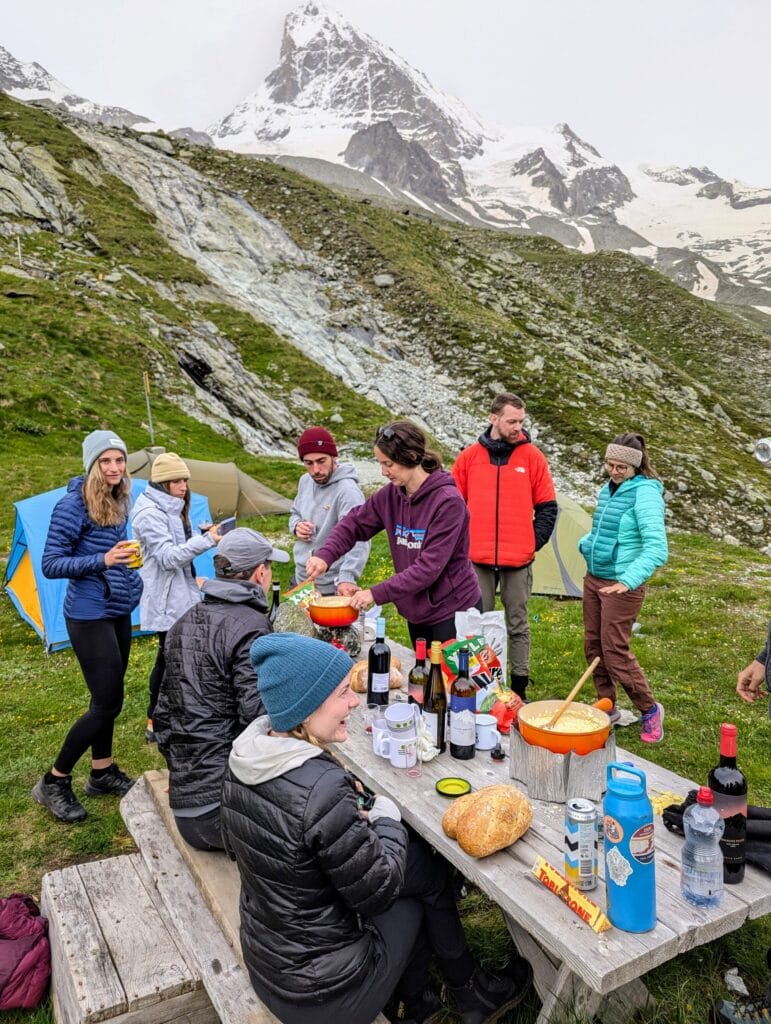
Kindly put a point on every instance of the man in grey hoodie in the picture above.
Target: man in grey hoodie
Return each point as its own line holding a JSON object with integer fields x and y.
{"x": 325, "y": 495}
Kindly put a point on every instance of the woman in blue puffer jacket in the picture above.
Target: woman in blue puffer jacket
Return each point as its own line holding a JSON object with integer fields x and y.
{"x": 87, "y": 545}
{"x": 160, "y": 521}
{"x": 626, "y": 545}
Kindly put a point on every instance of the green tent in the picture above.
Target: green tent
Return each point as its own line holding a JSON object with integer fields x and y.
{"x": 559, "y": 567}
{"x": 230, "y": 491}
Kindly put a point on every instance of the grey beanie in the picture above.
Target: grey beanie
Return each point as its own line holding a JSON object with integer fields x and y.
{"x": 97, "y": 442}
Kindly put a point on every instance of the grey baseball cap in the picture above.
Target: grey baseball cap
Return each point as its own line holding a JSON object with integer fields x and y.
{"x": 245, "y": 548}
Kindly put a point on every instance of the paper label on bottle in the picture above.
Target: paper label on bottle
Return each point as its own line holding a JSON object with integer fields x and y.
{"x": 431, "y": 720}
{"x": 379, "y": 682}
{"x": 641, "y": 844}
{"x": 463, "y": 721}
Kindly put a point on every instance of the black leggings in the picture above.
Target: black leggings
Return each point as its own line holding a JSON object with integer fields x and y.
{"x": 157, "y": 675}
{"x": 424, "y": 919}
{"x": 102, "y": 647}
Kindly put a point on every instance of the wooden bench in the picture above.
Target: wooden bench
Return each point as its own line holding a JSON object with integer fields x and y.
{"x": 114, "y": 955}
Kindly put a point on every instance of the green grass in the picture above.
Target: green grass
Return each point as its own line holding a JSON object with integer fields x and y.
{"x": 703, "y": 619}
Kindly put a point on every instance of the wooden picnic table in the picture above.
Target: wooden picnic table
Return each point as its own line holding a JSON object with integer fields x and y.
{"x": 598, "y": 973}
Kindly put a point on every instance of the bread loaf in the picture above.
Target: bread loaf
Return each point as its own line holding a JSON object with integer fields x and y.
{"x": 359, "y": 676}
{"x": 488, "y": 820}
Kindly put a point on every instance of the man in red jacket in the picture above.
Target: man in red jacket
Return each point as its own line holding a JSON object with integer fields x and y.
{"x": 509, "y": 491}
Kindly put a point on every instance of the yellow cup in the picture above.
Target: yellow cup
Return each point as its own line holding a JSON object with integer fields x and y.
{"x": 135, "y": 562}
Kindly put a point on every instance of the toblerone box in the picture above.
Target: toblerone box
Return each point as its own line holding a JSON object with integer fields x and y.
{"x": 578, "y": 901}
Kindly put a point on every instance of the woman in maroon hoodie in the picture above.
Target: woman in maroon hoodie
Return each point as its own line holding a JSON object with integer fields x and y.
{"x": 426, "y": 520}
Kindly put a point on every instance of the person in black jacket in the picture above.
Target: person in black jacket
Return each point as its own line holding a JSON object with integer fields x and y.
{"x": 209, "y": 692}
{"x": 340, "y": 906}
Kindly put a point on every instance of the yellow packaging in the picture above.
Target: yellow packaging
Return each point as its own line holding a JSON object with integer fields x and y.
{"x": 578, "y": 901}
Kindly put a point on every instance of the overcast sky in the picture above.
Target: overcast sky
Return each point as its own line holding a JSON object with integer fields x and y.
{"x": 658, "y": 81}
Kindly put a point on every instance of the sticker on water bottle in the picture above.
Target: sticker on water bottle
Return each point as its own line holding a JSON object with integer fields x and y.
{"x": 641, "y": 844}
{"x": 618, "y": 867}
{"x": 614, "y": 833}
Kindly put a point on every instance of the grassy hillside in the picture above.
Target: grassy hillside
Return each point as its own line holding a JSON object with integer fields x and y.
{"x": 595, "y": 344}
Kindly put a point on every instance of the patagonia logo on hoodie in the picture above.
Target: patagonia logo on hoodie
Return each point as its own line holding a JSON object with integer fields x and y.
{"x": 409, "y": 537}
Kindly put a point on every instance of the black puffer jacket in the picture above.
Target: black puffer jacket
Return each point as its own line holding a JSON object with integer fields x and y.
{"x": 312, "y": 872}
{"x": 209, "y": 691}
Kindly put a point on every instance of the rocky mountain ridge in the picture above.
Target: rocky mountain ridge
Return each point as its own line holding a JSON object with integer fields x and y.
{"x": 260, "y": 300}
{"x": 333, "y": 81}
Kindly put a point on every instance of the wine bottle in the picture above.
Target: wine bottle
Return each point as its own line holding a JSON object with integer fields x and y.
{"x": 729, "y": 791}
{"x": 435, "y": 701}
{"x": 378, "y": 667}
{"x": 274, "y": 601}
{"x": 463, "y": 708}
{"x": 418, "y": 677}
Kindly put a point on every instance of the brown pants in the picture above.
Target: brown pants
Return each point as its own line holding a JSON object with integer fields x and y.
{"x": 608, "y": 620}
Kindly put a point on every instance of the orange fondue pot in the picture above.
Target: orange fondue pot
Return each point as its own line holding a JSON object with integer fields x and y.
{"x": 332, "y": 612}
{"x": 582, "y": 728}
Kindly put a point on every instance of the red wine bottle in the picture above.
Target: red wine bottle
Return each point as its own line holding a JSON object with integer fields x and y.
{"x": 729, "y": 792}
{"x": 418, "y": 677}
{"x": 378, "y": 667}
{"x": 463, "y": 709}
{"x": 274, "y": 602}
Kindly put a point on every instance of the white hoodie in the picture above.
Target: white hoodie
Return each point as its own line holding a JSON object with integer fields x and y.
{"x": 257, "y": 757}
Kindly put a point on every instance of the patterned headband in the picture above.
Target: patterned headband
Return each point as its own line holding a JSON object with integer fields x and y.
{"x": 620, "y": 452}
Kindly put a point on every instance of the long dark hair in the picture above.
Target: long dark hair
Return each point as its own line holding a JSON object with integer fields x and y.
{"x": 404, "y": 443}
{"x": 184, "y": 513}
{"x": 637, "y": 441}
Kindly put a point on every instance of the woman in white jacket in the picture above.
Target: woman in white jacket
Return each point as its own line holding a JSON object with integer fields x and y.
{"x": 160, "y": 521}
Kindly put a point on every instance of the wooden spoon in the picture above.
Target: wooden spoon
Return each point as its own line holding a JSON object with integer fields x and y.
{"x": 571, "y": 696}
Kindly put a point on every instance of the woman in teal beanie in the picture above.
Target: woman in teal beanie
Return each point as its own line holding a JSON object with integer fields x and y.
{"x": 626, "y": 545}
{"x": 340, "y": 907}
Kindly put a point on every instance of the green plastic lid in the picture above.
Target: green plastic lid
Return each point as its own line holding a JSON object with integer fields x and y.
{"x": 453, "y": 786}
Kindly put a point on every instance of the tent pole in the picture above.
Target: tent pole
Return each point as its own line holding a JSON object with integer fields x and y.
{"x": 146, "y": 377}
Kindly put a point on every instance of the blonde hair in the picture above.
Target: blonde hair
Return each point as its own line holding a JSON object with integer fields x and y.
{"x": 300, "y": 732}
{"x": 106, "y": 505}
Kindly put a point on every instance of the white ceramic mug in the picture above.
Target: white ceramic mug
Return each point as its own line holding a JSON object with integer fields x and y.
{"x": 401, "y": 751}
{"x": 402, "y": 720}
{"x": 487, "y": 732}
{"x": 379, "y": 734}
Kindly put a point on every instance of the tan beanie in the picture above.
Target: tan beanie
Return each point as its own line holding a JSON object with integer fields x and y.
{"x": 167, "y": 467}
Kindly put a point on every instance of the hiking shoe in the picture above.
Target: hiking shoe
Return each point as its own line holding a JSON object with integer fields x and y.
{"x": 114, "y": 782}
{"x": 59, "y": 799}
{"x": 653, "y": 725}
{"x": 728, "y": 1012}
{"x": 426, "y": 1009}
{"x": 614, "y": 715}
{"x": 487, "y": 997}
{"x": 149, "y": 732}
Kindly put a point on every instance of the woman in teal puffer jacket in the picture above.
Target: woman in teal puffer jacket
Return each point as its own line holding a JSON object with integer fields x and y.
{"x": 626, "y": 545}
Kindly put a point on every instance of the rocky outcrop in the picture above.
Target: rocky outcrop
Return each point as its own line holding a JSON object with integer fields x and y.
{"x": 381, "y": 151}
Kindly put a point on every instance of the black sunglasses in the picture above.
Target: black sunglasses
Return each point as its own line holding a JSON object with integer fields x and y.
{"x": 386, "y": 432}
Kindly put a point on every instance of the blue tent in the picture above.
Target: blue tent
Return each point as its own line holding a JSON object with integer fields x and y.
{"x": 41, "y": 601}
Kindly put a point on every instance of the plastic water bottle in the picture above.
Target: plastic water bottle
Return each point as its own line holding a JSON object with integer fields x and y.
{"x": 701, "y": 875}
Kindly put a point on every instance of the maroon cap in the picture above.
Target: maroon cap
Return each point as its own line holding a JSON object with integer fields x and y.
{"x": 316, "y": 441}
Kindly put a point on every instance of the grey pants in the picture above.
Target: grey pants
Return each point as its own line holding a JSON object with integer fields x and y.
{"x": 515, "y": 587}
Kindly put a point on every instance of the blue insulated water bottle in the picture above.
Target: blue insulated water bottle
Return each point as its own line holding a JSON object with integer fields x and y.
{"x": 630, "y": 877}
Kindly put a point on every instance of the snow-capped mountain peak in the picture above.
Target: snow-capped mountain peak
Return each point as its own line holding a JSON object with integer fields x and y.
{"x": 31, "y": 81}
{"x": 333, "y": 80}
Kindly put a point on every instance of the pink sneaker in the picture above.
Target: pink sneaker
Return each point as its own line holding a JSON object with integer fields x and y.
{"x": 653, "y": 725}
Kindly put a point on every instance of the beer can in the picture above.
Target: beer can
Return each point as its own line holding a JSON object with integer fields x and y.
{"x": 581, "y": 843}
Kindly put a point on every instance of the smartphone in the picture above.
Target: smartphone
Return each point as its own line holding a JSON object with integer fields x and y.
{"x": 227, "y": 525}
